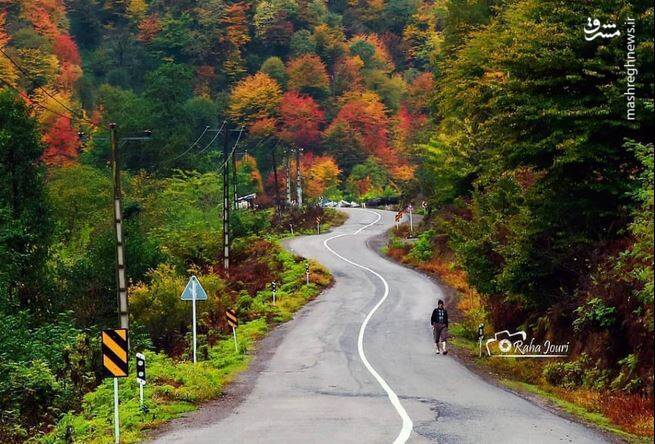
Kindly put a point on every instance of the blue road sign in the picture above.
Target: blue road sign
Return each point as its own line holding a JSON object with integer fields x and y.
{"x": 194, "y": 285}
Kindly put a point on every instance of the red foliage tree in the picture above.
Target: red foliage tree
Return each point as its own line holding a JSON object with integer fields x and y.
{"x": 300, "y": 119}
{"x": 365, "y": 119}
{"x": 66, "y": 50}
{"x": 421, "y": 91}
{"x": 149, "y": 27}
{"x": 62, "y": 142}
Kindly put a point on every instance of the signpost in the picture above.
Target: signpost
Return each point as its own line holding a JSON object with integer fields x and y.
{"x": 114, "y": 363}
{"x": 411, "y": 220}
{"x": 141, "y": 375}
{"x": 274, "y": 290}
{"x": 480, "y": 336}
{"x": 399, "y": 215}
{"x": 318, "y": 225}
{"x": 233, "y": 322}
{"x": 194, "y": 292}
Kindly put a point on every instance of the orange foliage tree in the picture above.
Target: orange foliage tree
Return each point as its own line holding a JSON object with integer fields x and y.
{"x": 321, "y": 174}
{"x": 254, "y": 98}
{"x": 347, "y": 75}
{"x": 307, "y": 74}
{"x": 7, "y": 70}
{"x": 237, "y": 36}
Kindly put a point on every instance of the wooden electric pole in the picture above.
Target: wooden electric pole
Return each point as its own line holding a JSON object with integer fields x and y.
{"x": 277, "y": 186}
{"x": 121, "y": 282}
{"x": 226, "y": 202}
{"x": 298, "y": 178}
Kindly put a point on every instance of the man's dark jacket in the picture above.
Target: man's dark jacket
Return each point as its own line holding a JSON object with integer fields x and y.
{"x": 439, "y": 316}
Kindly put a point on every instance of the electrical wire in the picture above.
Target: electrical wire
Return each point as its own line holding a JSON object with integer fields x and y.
{"x": 184, "y": 153}
{"x": 233, "y": 150}
{"x": 220, "y": 130}
{"x": 27, "y": 74}
{"x": 34, "y": 102}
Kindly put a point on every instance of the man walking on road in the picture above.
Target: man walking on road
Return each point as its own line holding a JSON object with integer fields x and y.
{"x": 439, "y": 321}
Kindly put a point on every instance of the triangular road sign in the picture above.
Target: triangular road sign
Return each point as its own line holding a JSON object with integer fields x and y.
{"x": 187, "y": 294}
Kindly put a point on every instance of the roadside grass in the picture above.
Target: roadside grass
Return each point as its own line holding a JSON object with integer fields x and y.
{"x": 176, "y": 387}
{"x": 173, "y": 388}
{"x": 555, "y": 395}
{"x": 630, "y": 417}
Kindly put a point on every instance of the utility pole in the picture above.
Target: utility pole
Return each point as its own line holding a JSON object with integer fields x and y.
{"x": 226, "y": 202}
{"x": 234, "y": 178}
{"x": 277, "y": 187}
{"x": 298, "y": 178}
{"x": 288, "y": 177}
{"x": 121, "y": 283}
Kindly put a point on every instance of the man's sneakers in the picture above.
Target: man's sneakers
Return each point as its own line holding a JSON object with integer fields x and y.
{"x": 437, "y": 350}
{"x": 445, "y": 352}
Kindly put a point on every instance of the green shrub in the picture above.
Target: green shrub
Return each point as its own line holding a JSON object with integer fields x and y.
{"x": 246, "y": 223}
{"x": 565, "y": 374}
{"x": 422, "y": 249}
{"x": 30, "y": 393}
{"x": 594, "y": 314}
{"x": 627, "y": 380}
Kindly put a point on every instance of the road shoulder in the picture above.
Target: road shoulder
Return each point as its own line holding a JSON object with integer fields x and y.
{"x": 467, "y": 360}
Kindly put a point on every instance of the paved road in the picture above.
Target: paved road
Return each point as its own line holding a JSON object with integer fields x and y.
{"x": 330, "y": 381}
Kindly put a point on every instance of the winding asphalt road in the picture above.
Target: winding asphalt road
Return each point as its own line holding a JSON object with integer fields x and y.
{"x": 357, "y": 365}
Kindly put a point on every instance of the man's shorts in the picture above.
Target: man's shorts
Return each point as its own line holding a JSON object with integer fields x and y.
{"x": 439, "y": 332}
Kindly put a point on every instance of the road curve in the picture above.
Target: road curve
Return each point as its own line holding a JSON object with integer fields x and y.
{"x": 357, "y": 365}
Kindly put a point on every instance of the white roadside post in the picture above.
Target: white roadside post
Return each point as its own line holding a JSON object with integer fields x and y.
{"x": 411, "y": 220}
{"x": 307, "y": 273}
{"x": 115, "y": 365}
{"x": 233, "y": 322}
{"x": 318, "y": 225}
{"x": 194, "y": 292}
{"x": 194, "y": 295}
{"x": 291, "y": 228}
{"x": 117, "y": 426}
{"x": 480, "y": 337}
{"x": 141, "y": 375}
{"x": 274, "y": 289}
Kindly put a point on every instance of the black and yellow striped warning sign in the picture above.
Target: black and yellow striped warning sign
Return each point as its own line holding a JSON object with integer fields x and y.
{"x": 232, "y": 318}
{"x": 114, "y": 352}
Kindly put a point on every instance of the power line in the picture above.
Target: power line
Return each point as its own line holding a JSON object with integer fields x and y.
{"x": 213, "y": 139}
{"x": 27, "y": 74}
{"x": 233, "y": 149}
{"x": 34, "y": 102}
{"x": 188, "y": 149}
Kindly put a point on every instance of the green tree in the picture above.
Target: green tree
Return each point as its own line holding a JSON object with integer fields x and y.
{"x": 302, "y": 43}
{"x": 534, "y": 117}
{"x": 25, "y": 223}
{"x": 275, "y": 69}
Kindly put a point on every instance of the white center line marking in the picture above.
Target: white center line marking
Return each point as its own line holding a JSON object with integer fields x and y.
{"x": 407, "y": 427}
